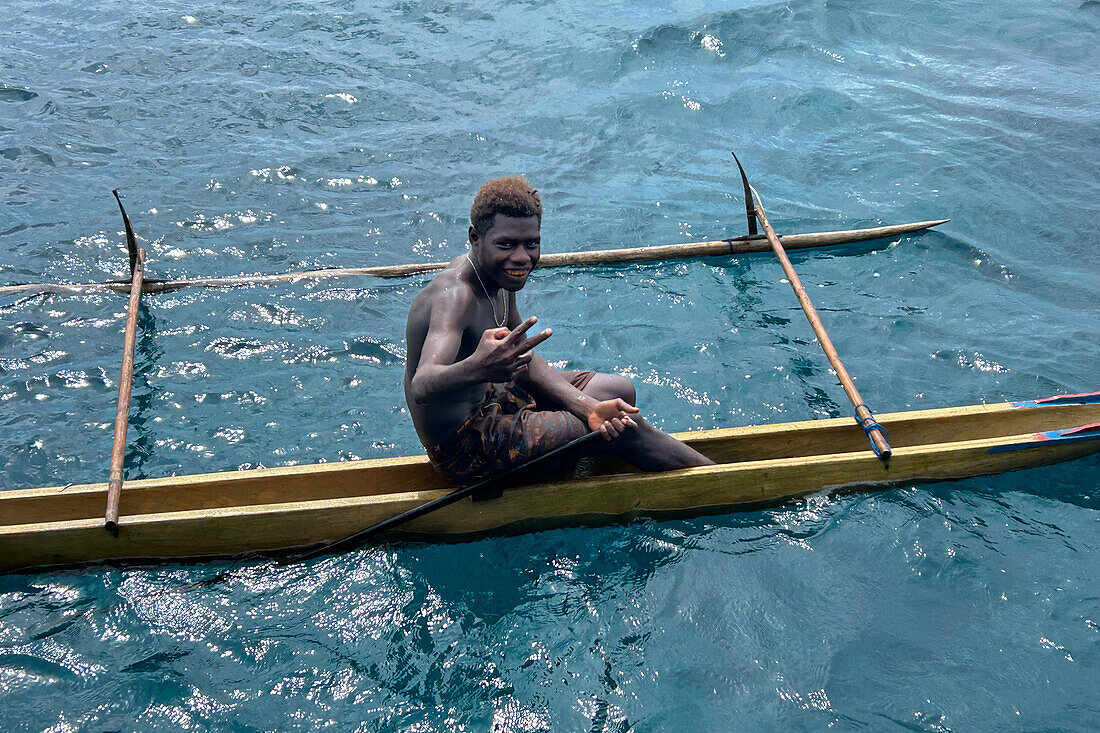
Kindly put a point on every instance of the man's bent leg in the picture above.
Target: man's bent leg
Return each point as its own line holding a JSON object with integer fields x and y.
{"x": 644, "y": 446}
{"x": 652, "y": 450}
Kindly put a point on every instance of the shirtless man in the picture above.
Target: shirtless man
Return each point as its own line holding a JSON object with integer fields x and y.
{"x": 480, "y": 398}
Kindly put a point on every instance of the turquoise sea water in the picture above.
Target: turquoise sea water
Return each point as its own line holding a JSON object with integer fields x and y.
{"x": 274, "y": 136}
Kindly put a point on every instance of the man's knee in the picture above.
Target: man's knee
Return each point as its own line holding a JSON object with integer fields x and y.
{"x": 612, "y": 386}
{"x": 625, "y": 388}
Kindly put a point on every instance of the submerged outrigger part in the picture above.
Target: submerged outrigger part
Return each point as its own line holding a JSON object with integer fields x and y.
{"x": 750, "y": 210}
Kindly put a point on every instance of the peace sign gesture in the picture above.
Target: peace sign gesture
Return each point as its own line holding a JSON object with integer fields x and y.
{"x": 502, "y": 355}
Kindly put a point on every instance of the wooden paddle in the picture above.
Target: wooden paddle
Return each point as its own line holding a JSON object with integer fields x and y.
{"x": 125, "y": 381}
{"x": 864, "y": 416}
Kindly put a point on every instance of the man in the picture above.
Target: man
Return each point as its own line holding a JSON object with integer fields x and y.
{"x": 480, "y": 398}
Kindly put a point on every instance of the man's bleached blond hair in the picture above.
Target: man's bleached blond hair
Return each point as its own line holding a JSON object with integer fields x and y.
{"x": 510, "y": 196}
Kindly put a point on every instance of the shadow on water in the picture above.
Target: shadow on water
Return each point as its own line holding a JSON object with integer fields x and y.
{"x": 1074, "y": 482}
{"x": 970, "y": 252}
{"x": 918, "y": 241}
{"x": 495, "y": 577}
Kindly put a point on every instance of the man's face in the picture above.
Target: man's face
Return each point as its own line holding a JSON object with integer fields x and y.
{"x": 508, "y": 250}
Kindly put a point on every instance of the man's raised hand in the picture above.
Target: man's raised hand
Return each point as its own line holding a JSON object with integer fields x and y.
{"x": 503, "y": 355}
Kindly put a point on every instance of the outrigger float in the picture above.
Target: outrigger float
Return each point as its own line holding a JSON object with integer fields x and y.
{"x": 322, "y": 505}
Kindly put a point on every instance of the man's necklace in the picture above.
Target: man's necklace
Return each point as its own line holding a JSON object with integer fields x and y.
{"x": 486, "y": 291}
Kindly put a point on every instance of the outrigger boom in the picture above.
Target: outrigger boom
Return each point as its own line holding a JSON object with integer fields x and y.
{"x": 875, "y": 432}
{"x": 126, "y": 379}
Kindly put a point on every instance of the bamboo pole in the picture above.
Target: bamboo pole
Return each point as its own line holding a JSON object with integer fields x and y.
{"x": 712, "y": 248}
{"x": 125, "y": 383}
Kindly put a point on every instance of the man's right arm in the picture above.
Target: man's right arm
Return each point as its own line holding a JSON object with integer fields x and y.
{"x": 501, "y": 355}
{"x": 438, "y": 376}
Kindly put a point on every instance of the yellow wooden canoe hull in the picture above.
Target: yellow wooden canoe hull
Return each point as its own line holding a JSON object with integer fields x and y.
{"x": 281, "y": 508}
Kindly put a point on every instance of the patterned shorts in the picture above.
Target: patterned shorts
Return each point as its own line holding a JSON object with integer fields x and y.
{"x": 508, "y": 428}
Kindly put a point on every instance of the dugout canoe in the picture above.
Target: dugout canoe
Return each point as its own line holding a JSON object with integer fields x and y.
{"x": 219, "y": 514}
